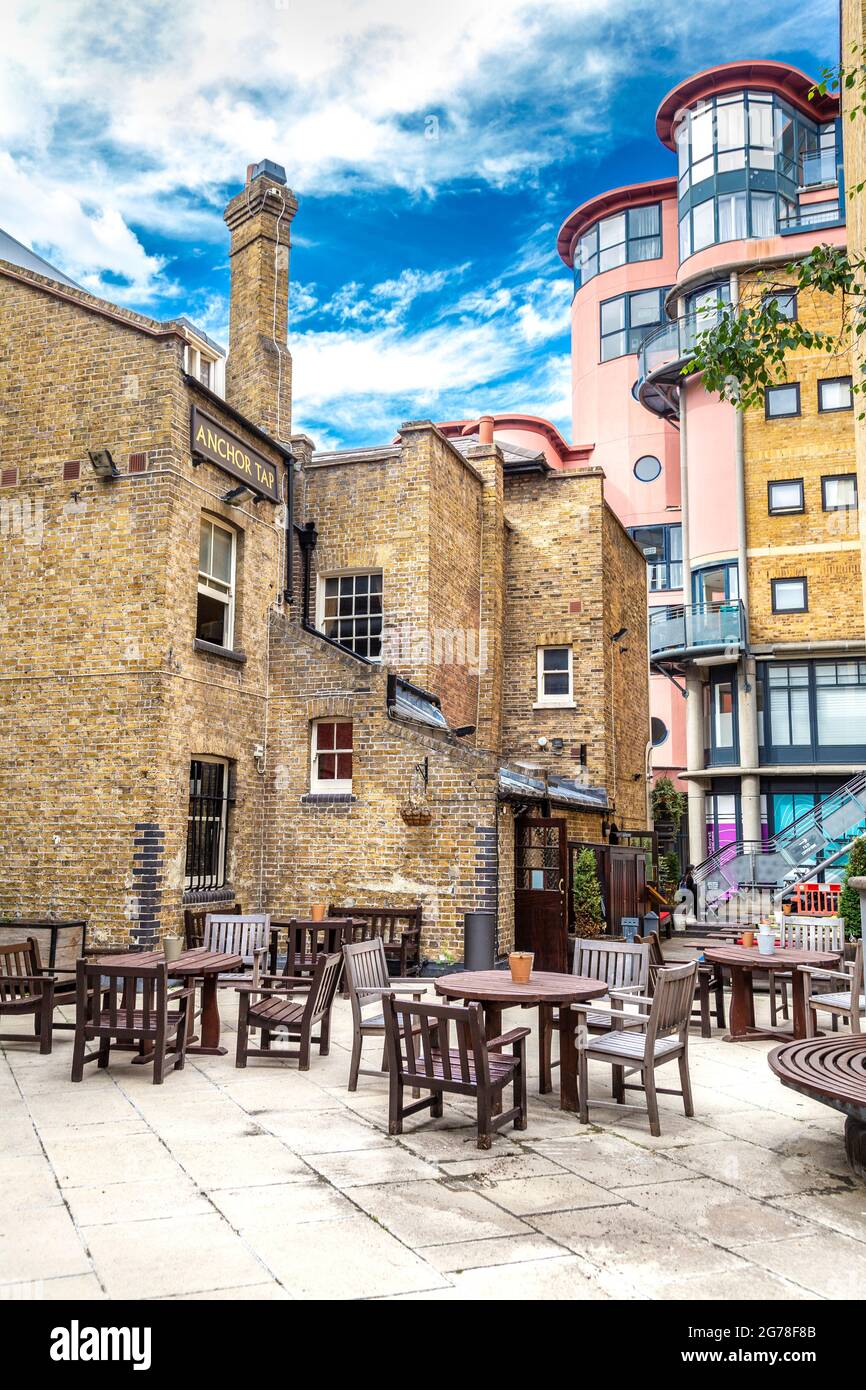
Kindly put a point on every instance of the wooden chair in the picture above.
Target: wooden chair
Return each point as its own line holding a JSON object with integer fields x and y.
{"x": 710, "y": 990}
{"x": 275, "y": 1010}
{"x": 399, "y": 928}
{"x": 420, "y": 1056}
{"x": 27, "y": 988}
{"x": 802, "y": 934}
{"x": 665, "y": 1039}
{"x": 239, "y": 934}
{"x": 194, "y": 919}
{"x": 367, "y": 979}
{"x": 847, "y": 1003}
{"x": 623, "y": 965}
{"x": 108, "y": 1009}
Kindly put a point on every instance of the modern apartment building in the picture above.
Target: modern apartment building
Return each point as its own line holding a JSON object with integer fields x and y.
{"x": 749, "y": 519}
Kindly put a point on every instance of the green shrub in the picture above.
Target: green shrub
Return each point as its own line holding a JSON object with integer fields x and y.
{"x": 849, "y": 898}
{"x": 586, "y": 895}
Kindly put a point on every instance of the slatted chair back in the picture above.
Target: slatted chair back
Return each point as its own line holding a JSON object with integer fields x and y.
{"x": 19, "y": 963}
{"x": 672, "y": 1003}
{"x": 366, "y": 967}
{"x": 419, "y": 1045}
{"x": 621, "y": 964}
{"x": 323, "y": 987}
{"x": 238, "y": 934}
{"x": 857, "y": 986}
{"x": 194, "y": 919}
{"x": 399, "y": 928}
{"x": 812, "y": 935}
{"x": 306, "y": 941}
{"x": 122, "y": 999}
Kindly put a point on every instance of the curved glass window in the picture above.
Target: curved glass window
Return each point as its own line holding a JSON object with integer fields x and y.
{"x": 647, "y": 469}
{"x": 625, "y": 321}
{"x": 743, "y": 159}
{"x": 716, "y": 583}
{"x": 632, "y": 235}
{"x": 658, "y": 731}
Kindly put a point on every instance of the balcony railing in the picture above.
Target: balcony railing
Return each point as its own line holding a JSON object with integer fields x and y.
{"x": 696, "y": 629}
{"x": 672, "y": 345}
{"x": 818, "y": 168}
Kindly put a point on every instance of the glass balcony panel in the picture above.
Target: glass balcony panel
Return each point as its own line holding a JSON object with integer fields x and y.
{"x": 682, "y": 628}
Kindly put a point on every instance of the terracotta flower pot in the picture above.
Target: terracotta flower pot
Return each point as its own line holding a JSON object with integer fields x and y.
{"x": 520, "y": 965}
{"x": 748, "y": 939}
{"x": 317, "y": 912}
{"x": 172, "y": 946}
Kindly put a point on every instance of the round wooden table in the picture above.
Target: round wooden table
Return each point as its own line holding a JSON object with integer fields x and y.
{"x": 495, "y": 990}
{"x": 743, "y": 961}
{"x": 833, "y": 1071}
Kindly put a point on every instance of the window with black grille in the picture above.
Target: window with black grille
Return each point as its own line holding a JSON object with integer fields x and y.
{"x": 207, "y": 823}
{"x": 351, "y": 612}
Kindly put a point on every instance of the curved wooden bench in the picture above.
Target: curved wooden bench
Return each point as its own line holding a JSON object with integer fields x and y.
{"x": 833, "y": 1071}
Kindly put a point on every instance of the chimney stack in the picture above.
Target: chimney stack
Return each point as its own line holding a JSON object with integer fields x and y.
{"x": 259, "y": 366}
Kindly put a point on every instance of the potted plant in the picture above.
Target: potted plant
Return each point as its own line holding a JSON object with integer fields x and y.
{"x": 445, "y": 963}
{"x": 586, "y": 895}
{"x": 317, "y": 912}
{"x": 668, "y": 806}
{"x": 520, "y": 965}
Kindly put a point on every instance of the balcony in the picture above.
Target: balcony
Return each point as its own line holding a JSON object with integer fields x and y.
{"x": 685, "y": 632}
{"x": 661, "y": 360}
{"x": 818, "y": 168}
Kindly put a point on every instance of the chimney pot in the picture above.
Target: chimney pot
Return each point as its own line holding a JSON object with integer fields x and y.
{"x": 485, "y": 429}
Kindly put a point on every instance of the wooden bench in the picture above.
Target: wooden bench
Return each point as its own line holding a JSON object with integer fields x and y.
{"x": 833, "y": 1071}
{"x": 399, "y": 928}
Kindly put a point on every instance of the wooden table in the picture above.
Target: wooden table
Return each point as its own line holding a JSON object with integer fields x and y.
{"x": 495, "y": 990}
{"x": 833, "y": 1071}
{"x": 197, "y": 964}
{"x": 316, "y": 938}
{"x": 742, "y": 962}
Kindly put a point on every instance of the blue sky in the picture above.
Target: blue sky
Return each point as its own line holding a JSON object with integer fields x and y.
{"x": 435, "y": 150}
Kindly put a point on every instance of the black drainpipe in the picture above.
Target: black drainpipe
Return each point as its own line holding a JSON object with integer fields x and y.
{"x": 308, "y": 538}
{"x": 289, "y": 578}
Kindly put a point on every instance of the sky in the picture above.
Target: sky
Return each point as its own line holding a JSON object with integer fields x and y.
{"x": 435, "y": 149}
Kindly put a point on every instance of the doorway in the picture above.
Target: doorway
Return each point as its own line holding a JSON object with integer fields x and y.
{"x": 540, "y": 917}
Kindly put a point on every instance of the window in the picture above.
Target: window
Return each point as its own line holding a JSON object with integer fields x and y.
{"x": 785, "y": 497}
{"x": 840, "y": 703}
{"x": 628, "y": 319}
{"x": 647, "y": 468}
{"x": 780, "y": 401}
{"x": 663, "y": 548}
{"x": 196, "y": 364}
{"x": 720, "y": 719}
{"x": 784, "y": 303}
{"x": 207, "y": 823}
{"x": 789, "y": 595}
{"x": 215, "y": 613}
{"x": 555, "y": 676}
{"x": 835, "y": 394}
{"x": 788, "y": 705}
{"x": 633, "y": 235}
{"x": 351, "y": 612}
{"x": 331, "y": 760}
{"x": 716, "y": 584}
{"x": 839, "y": 494}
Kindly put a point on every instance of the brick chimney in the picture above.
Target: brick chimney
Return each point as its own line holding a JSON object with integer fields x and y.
{"x": 259, "y": 366}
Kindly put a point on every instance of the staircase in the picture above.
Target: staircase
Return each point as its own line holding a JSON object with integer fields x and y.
{"x": 747, "y": 878}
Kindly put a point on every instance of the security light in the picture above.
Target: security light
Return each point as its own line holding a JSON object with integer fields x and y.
{"x": 103, "y": 464}
{"x": 236, "y": 495}
{"x": 463, "y": 730}
{"x": 620, "y": 633}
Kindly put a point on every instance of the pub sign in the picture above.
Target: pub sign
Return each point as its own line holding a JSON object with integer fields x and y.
{"x": 212, "y": 441}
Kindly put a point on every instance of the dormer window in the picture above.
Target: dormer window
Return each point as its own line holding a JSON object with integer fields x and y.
{"x": 202, "y": 365}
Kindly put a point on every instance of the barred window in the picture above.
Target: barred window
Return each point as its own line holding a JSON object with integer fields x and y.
{"x": 351, "y": 612}
{"x": 207, "y": 823}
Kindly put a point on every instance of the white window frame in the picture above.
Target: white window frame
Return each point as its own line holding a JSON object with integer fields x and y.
{"x": 329, "y": 785}
{"x": 321, "y": 580}
{"x": 195, "y": 881}
{"x": 203, "y": 587}
{"x": 544, "y": 701}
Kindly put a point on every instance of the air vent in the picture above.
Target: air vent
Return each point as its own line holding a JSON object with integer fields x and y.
{"x": 71, "y": 471}
{"x": 8, "y": 477}
{"x": 137, "y": 463}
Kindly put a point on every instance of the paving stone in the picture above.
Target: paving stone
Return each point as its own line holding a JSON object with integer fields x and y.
{"x": 826, "y": 1263}
{"x": 172, "y": 1255}
{"x": 433, "y": 1213}
{"x": 365, "y": 1166}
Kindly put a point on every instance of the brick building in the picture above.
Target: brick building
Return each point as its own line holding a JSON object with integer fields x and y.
{"x": 236, "y": 668}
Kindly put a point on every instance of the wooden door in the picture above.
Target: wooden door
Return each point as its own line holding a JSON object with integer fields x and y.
{"x": 539, "y": 890}
{"x": 626, "y": 879}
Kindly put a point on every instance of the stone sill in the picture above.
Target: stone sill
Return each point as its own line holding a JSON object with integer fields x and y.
{"x": 328, "y": 799}
{"x": 543, "y": 704}
{"x": 211, "y": 648}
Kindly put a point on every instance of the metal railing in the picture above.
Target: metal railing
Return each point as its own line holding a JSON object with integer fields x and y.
{"x": 673, "y": 345}
{"x": 677, "y": 629}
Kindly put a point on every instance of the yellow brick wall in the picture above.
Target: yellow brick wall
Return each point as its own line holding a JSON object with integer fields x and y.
{"x": 822, "y": 546}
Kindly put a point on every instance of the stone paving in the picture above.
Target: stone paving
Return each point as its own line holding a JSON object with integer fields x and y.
{"x": 266, "y": 1183}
